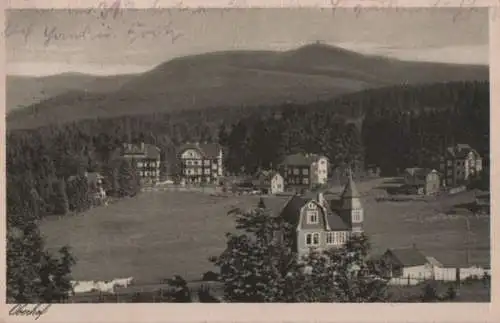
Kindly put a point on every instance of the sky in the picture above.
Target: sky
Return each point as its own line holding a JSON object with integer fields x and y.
{"x": 46, "y": 42}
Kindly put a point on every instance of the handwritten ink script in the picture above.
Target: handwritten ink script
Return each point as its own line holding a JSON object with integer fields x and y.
{"x": 34, "y": 310}
{"x": 106, "y": 11}
{"x": 466, "y": 7}
{"x": 136, "y": 31}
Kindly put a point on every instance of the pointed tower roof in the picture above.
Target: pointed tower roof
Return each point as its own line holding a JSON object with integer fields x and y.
{"x": 350, "y": 189}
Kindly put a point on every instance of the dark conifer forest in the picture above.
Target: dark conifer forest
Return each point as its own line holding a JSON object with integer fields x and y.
{"x": 393, "y": 128}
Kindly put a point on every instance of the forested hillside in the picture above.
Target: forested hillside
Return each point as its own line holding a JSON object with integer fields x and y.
{"x": 393, "y": 127}
{"x": 229, "y": 78}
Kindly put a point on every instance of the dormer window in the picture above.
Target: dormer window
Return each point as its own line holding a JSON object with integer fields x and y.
{"x": 312, "y": 217}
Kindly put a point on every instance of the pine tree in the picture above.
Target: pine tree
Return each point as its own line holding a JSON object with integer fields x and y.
{"x": 128, "y": 179}
{"x": 33, "y": 275}
{"x": 60, "y": 200}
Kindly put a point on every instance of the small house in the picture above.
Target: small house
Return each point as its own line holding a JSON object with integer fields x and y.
{"x": 95, "y": 185}
{"x": 422, "y": 181}
{"x": 269, "y": 182}
{"x": 409, "y": 263}
{"x": 304, "y": 170}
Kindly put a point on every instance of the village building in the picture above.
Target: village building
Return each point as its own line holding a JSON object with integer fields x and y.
{"x": 269, "y": 182}
{"x": 146, "y": 158}
{"x": 409, "y": 263}
{"x": 459, "y": 164}
{"x": 201, "y": 163}
{"x": 304, "y": 171}
{"x": 422, "y": 181}
{"x": 95, "y": 182}
{"x": 323, "y": 224}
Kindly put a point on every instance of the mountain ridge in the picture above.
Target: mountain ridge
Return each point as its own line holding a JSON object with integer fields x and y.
{"x": 242, "y": 78}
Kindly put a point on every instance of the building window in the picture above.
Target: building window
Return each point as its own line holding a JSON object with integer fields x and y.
{"x": 139, "y": 164}
{"x": 449, "y": 163}
{"x": 356, "y": 216}
{"x": 214, "y": 166}
{"x": 312, "y": 217}
{"x": 316, "y": 237}
{"x": 188, "y": 162}
{"x": 342, "y": 238}
{"x": 306, "y": 181}
{"x": 207, "y": 162}
{"x": 330, "y": 238}
{"x": 312, "y": 239}
{"x": 207, "y": 171}
{"x": 305, "y": 171}
{"x": 296, "y": 171}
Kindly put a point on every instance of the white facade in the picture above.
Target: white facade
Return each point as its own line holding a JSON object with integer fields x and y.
{"x": 319, "y": 171}
{"x": 277, "y": 184}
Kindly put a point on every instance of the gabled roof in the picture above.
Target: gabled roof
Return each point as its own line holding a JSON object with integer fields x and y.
{"x": 276, "y": 204}
{"x": 207, "y": 150}
{"x": 350, "y": 189}
{"x": 433, "y": 261}
{"x": 459, "y": 151}
{"x": 335, "y": 222}
{"x": 408, "y": 256}
{"x": 301, "y": 159}
{"x": 141, "y": 150}
{"x": 291, "y": 212}
{"x": 264, "y": 178}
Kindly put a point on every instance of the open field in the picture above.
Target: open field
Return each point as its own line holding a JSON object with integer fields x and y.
{"x": 150, "y": 237}
{"x": 158, "y": 234}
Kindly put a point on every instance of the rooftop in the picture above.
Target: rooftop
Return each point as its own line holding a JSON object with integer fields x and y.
{"x": 300, "y": 159}
{"x": 207, "y": 150}
{"x": 142, "y": 150}
{"x": 459, "y": 150}
{"x": 408, "y": 256}
{"x": 350, "y": 189}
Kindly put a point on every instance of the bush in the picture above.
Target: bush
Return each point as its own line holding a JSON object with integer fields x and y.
{"x": 451, "y": 293}
{"x": 430, "y": 293}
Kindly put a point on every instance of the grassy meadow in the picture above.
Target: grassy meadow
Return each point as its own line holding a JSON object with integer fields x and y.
{"x": 159, "y": 234}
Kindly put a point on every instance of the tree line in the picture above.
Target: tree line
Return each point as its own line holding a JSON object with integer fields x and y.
{"x": 392, "y": 127}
